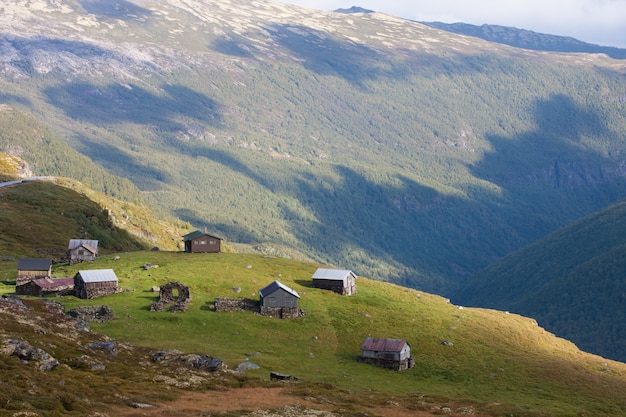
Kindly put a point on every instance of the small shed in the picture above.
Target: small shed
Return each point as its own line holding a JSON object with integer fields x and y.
{"x": 82, "y": 250}
{"x": 200, "y": 241}
{"x": 341, "y": 281}
{"x": 387, "y": 353}
{"x": 29, "y": 269}
{"x": 278, "y": 295}
{"x": 95, "y": 283}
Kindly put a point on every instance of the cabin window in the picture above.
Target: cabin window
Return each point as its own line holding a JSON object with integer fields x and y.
{"x": 211, "y": 242}
{"x": 201, "y": 242}
{"x": 81, "y": 252}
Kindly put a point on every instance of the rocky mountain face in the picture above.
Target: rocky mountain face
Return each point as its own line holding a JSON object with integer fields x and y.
{"x": 401, "y": 151}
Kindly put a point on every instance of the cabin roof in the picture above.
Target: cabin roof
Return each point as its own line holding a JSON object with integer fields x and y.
{"x": 34, "y": 264}
{"x": 332, "y": 274}
{"x": 49, "y": 283}
{"x": 90, "y": 245}
{"x": 98, "y": 275}
{"x": 196, "y": 234}
{"x": 383, "y": 344}
{"x": 269, "y": 289}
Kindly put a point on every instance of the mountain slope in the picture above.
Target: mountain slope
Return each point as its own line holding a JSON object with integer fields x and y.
{"x": 571, "y": 281}
{"x": 528, "y": 39}
{"x": 365, "y": 141}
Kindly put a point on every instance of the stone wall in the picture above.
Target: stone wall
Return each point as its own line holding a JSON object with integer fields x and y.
{"x": 236, "y": 304}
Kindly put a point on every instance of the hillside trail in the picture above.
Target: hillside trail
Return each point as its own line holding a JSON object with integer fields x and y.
{"x": 247, "y": 400}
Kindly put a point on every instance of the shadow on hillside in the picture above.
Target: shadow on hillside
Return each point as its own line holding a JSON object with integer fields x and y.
{"x": 15, "y": 99}
{"x": 145, "y": 177}
{"x": 116, "y": 103}
{"x": 321, "y": 53}
{"x": 556, "y": 155}
{"x": 118, "y": 9}
{"x": 233, "y": 45}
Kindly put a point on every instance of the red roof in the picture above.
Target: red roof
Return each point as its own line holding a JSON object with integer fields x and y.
{"x": 383, "y": 345}
{"x": 48, "y": 283}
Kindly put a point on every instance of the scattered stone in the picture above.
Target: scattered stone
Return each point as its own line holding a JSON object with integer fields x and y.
{"x": 237, "y": 289}
{"x": 108, "y": 347}
{"x": 98, "y": 314}
{"x": 246, "y": 366}
{"x": 149, "y": 266}
{"x": 447, "y": 343}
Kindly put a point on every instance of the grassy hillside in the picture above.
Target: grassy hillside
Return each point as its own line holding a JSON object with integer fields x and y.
{"x": 498, "y": 364}
{"x": 571, "y": 281}
{"x": 407, "y": 153}
{"x": 38, "y": 218}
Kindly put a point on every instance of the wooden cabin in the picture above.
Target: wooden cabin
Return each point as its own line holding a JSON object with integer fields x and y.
{"x": 199, "y": 241}
{"x": 95, "y": 283}
{"x": 82, "y": 250}
{"x": 29, "y": 269}
{"x": 340, "y": 281}
{"x": 388, "y": 353}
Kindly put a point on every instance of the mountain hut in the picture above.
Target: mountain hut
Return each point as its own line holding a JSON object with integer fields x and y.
{"x": 29, "y": 269}
{"x": 387, "y": 353}
{"x": 82, "y": 250}
{"x": 95, "y": 283}
{"x": 340, "y": 281}
{"x": 200, "y": 241}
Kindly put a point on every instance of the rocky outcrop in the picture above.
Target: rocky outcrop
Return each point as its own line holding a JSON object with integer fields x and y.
{"x": 27, "y": 353}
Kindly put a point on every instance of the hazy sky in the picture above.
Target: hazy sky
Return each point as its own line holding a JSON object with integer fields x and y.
{"x": 602, "y": 22}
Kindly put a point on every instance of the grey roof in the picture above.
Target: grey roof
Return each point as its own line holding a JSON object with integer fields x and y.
{"x": 34, "y": 264}
{"x": 275, "y": 286}
{"x": 90, "y": 245}
{"x": 332, "y": 274}
{"x": 383, "y": 344}
{"x": 98, "y": 275}
{"x": 196, "y": 234}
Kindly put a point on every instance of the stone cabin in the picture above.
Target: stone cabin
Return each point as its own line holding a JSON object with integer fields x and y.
{"x": 29, "y": 269}
{"x": 82, "y": 250}
{"x": 387, "y": 353}
{"x": 95, "y": 283}
{"x": 42, "y": 287}
{"x": 340, "y": 281}
{"x": 279, "y": 301}
{"x": 201, "y": 242}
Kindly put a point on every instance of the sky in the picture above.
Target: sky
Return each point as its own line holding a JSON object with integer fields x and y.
{"x": 601, "y": 22}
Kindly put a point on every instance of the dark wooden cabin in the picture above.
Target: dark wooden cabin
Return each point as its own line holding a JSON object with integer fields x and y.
{"x": 200, "y": 241}
{"x": 387, "y": 353}
{"x": 29, "y": 269}
{"x": 341, "y": 281}
{"x": 95, "y": 283}
{"x": 82, "y": 250}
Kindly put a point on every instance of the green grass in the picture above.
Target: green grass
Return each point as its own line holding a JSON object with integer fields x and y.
{"x": 496, "y": 357}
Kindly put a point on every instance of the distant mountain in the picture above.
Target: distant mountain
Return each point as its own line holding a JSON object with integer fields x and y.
{"x": 527, "y": 39}
{"x": 571, "y": 281}
{"x": 365, "y": 141}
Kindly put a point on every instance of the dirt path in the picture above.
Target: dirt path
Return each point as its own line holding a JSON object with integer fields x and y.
{"x": 196, "y": 404}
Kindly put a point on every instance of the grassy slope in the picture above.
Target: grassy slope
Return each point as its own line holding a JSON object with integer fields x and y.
{"x": 498, "y": 362}
{"x": 38, "y": 219}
